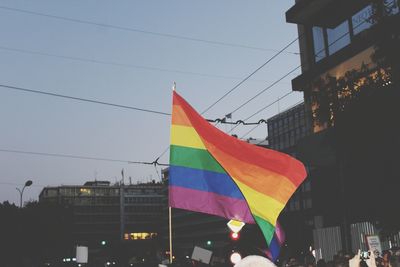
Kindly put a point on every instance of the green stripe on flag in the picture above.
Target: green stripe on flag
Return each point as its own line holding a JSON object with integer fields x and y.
{"x": 194, "y": 158}
{"x": 267, "y": 228}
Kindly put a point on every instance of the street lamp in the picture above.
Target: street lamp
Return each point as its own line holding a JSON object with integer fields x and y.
{"x": 27, "y": 183}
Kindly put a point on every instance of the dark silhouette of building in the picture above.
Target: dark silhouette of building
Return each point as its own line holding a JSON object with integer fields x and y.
{"x": 288, "y": 127}
{"x": 121, "y": 221}
{"x": 350, "y": 76}
{"x": 285, "y": 131}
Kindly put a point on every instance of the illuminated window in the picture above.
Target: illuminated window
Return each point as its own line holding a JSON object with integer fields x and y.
{"x": 139, "y": 236}
{"x": 85, "y": 191}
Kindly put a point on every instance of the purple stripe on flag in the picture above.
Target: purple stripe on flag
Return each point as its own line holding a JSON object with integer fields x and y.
{"x": 211, "y": 203}
{"x": 280, "y": 234}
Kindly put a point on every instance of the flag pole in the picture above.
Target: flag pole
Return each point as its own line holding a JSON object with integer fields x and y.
{"x": 170, "y": 235}
{"x": 170, "y": 214}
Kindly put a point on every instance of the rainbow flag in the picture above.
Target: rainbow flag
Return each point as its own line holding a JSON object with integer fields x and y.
{"x": 215, "y": 173}
{"x": 274, "y": 248}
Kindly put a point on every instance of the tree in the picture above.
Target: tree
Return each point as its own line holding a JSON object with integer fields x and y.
{"x": 37, "y": 233}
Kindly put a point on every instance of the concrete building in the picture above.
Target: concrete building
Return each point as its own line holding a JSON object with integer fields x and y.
{"x": 338, "y": 45}
{"x": 117, "y": 217}
{"x": 350, "y": 76}
{"x": 288, "y": 127}
{"x": 285, "y": 131}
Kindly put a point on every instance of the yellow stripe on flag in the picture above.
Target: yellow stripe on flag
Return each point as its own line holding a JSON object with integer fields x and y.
{"x": 261, "y": 205}
{"x": 185, "y": 136}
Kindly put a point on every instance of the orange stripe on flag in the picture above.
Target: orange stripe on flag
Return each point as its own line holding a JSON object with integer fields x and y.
{"x": 179, "y": 117}
{"x": 278, "y": 186}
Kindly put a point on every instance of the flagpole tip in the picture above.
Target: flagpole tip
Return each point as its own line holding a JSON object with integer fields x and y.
{"x": 174, "y": 87}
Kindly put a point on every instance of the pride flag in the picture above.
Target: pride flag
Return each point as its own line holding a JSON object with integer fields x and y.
{"x": 215, "y": 173}
{"x": 277, "y": 241}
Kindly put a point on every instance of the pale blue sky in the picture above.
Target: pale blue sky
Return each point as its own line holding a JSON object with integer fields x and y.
{"x": 40, "y": 123}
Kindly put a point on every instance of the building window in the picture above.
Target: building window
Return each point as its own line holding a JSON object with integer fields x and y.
{"x": 291, "y": 205}
{"x": 338, "y": 37}
{"x": 297, "y": 204}
{"x": 362, "y": 20}
{"x": 319, "y": 45}
{"x": 307, "y": 186}
{"x": 391, "y": 6}
{"x": 307, "y": 203}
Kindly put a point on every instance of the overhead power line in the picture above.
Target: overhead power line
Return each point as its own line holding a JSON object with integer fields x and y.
{"x": 252, "y": 129}
{"x": 117, "y": 105}
{"x": 240, "y": 83}
{"x": 81, "y": 157}
{"x": 287, "y": 74}
{"x": 262, "y": 109}
{"x": 264, "y": 90}
{"x": 117, "y": 64}
{"x": 251, "y": 74}
{"x": 83, "y": 99}
{"x": 129, "y": 29}
{"x": 269, "y": 105}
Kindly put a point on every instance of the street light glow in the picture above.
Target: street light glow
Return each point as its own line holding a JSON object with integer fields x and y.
{"x": 235, "y": 257}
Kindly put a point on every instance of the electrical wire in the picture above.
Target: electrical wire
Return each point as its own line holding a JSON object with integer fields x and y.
{"x": 287, "y": 74}
{"x": 123, "y": 28}
{"x": 83, "y": 99}
{"x": 80, "y": 157}
{"x": 237, "y": 85}
{"x": 117, "y": 64}
{"x": 114, "y": 105}
{"x": 252, "y": 129}
{"x": 267, "y": 106}
{"x": 265, "y": 89}
{"x": 145, "y": 110}
{"x": 263, "y": 108}
{"x": 251, "y": 74}
{"x": 130, "y": 29}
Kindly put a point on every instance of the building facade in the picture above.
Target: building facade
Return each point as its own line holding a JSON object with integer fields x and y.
{"x": 107, "y": 218}
{"x": 341, "y": 45}
{"x": 350, "y": 76}
{"x": 288, "y": 127}
{"x": 285, "y": 131}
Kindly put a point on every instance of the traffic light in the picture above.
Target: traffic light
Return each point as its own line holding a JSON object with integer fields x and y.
{"x": 209, "y": 243}
{"x": 103, "y": 242}
{"x": 234, "y": 236}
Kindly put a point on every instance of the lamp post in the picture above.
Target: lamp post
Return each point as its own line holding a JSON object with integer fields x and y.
{"x": 21, "y": 192}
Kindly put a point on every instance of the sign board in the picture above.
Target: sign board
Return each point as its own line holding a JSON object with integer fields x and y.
{"x": 201, "y": 255}
{"x": 374, "y": 243}
{"x": 81, "y": 254}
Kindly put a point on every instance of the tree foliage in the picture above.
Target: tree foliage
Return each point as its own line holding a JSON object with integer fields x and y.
{"x": 35, "y": 234}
